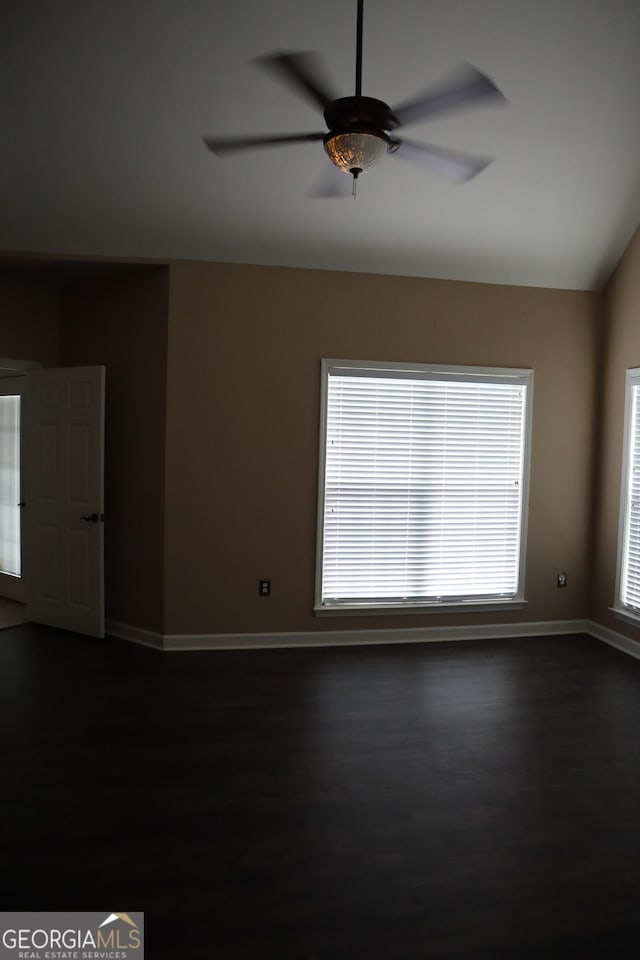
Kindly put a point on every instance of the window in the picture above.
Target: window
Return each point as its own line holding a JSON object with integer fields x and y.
{"x": 10, "y": 554}
{"x": 628, "y": 576}
{"x": 423, "y": 486}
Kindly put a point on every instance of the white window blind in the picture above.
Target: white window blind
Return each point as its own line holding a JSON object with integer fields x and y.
{"x": 422, "y": 485}
{"x": 628, "y": 593}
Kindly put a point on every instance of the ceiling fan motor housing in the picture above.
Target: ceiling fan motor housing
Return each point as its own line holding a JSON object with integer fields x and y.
{"x": 348, "y": 113}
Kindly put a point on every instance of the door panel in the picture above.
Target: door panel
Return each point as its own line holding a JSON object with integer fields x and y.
{"x": 64, "y": 536}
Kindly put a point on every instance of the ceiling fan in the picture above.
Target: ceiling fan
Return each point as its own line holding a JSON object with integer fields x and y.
{"x": 362, "y": 129}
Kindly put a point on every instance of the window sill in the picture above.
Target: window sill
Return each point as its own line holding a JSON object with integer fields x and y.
{"x": 390, "y": 609}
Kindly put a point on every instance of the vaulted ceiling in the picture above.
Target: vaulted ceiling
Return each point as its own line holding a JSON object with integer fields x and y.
{"x": 104, "y": 105}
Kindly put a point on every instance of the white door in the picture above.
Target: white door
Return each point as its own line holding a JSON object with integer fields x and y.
{"x": 64, "y": 513}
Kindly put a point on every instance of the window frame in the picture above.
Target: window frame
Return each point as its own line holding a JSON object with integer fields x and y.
{"x": 427, "y": 371}
{"x": 626, "y": 611}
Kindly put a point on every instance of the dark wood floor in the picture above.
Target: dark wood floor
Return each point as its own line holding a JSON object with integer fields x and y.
{"x": 463, "y": 800}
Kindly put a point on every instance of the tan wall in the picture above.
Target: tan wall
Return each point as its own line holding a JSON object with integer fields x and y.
{"x": 29, "y": 319}
{"x": 121, "y": 322}
{"x": 245, "y": 345}
{"x": 621, "y": 350}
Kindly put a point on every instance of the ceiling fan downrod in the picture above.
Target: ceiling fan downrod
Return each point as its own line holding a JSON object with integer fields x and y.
{"x": 359, "y": 48}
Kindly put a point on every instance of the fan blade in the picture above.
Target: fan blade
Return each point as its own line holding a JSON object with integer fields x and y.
{"x": 469, "y": 86}
{"x": 333, "y": 183}
{"x": 233, "y": 144}
{"x": 451, "y": 164}
{"x": 302, "y": 72}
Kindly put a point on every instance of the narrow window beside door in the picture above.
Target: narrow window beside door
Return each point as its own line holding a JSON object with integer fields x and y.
{"x": 10, "y": 553}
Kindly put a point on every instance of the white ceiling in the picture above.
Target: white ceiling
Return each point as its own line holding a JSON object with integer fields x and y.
{"x": 104, "y": 104}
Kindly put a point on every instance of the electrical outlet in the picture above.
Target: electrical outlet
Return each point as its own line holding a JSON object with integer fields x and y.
{"x": 562, "y": 580}
{"x": 264, "y": 588}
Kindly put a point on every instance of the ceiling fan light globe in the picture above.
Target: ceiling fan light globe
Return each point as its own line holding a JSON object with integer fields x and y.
{"x": 355, "y": 150}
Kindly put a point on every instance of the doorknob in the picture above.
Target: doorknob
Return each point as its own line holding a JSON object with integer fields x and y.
{"x": 92, "y": 518}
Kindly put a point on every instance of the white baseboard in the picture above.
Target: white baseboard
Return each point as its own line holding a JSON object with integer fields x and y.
{"x": 614, "y": 639}
{"x": 135, "y": 634}
{"x": 333, "y": 638}
{"x": 346, "y": 638}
